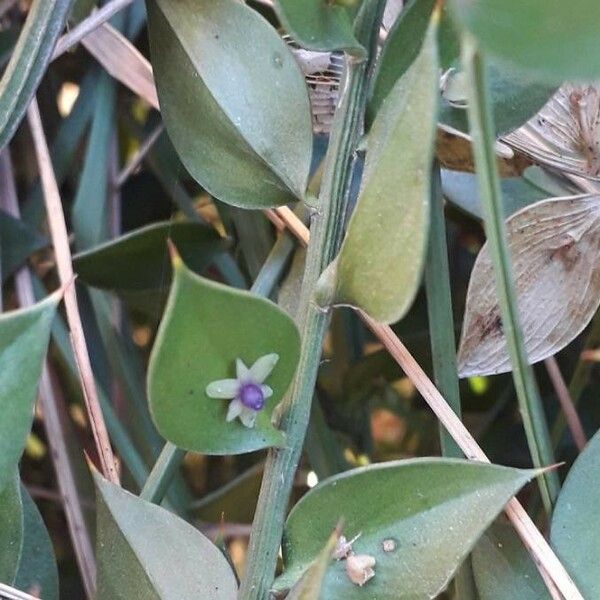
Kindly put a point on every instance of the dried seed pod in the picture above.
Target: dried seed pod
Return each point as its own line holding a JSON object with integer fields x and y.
{"x": 360, "y": 568}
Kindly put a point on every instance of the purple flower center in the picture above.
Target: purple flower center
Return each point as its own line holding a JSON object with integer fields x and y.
{"x": 251, "y": 396}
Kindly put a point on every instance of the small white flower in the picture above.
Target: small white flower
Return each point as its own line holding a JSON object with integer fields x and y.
{"x": 247, "y": 391}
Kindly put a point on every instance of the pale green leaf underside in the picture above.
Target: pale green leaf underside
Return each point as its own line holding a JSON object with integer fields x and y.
{"x": 380, "y": 263}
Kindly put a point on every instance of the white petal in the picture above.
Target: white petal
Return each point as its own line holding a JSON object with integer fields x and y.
{"x": 223, "y": 389}
{"x": 267, "y": 392}
{"x": 248, "y": 416}
{"x": 234, "y": 410}
{"x": 241, "y": 370}
{"x": 262, "y": 368}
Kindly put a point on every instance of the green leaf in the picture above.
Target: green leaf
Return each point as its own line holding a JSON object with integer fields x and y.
{"x": 574, "y": 533}
{"x": 433, "y": 511}
{"x": 516, "y": 97}
{"x": 139, "y": 261}
{"x": 17, "y": 242}
{"x": 90, "y": 208}
{"x": 145, "y": 552}
{"x": 28, "y": 63}
{"x": 503, "y": 569}
{"x": 319, "y": 25}
{"x": 205, "y": 328}
{"x": 401, "y": 48}
{"x": 381, "y": 260}
{"x": 136, "y": 266}
{"x": 23, "y": 341}
{"x": 462, "y": 190}
{"x": 37, "y": 572}
{"x": 555, "y": 39}
{"x": 247, "y": 137}
{"x": 11, "y": 526}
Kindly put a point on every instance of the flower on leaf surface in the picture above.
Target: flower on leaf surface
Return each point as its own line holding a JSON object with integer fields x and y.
{"x": 247, "y": 391}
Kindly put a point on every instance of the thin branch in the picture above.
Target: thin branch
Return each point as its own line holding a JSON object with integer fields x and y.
{"x": 60, "y": 240}
{"x": 566, "y": 403}
{"x": 80, "y": 539}
{"x": 10, "y": 593}
{"x": 533, "y": 540}
{"x": 138, "y": 157}
{"x": 97, "y": 18}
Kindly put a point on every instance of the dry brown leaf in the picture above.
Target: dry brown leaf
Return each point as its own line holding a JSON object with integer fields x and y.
{"x": 122, "y": 60}
{"x": 555, "y": 247}
{"x": 565, "y": 134}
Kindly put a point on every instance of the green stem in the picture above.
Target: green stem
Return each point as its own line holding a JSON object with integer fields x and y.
{"x": 443, "y": 344}
{"x": 482, "y": 131}
{"x": 326, "y": 233}
{"x": 162, "y": 473}
{"x": 439, "y": 311}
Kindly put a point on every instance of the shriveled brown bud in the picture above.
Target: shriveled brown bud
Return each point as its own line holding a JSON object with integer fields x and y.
{"x": 360, "y": 568}
{"x": 343, "y": 548}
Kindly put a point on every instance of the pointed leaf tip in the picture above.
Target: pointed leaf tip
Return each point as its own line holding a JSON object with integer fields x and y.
{"x": 176, "y": 261}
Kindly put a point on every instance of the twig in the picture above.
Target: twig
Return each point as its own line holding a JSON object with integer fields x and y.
{"x": 60, "y": 240}
{"x": 80, "y": 539}
{"x": 566, "y": 403}
{"x": 37, "y": 491}
{"x": 533, "y": 540}
{"x": 97, "y": 18}
{"x": 138, "y": 157}
{"x": 226, "y": 530}
{"x": 10, "y": 593}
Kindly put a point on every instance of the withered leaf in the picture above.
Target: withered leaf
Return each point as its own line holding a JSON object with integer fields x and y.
{"x": 565, "y": 134}
{"x": 555, "y": 247}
